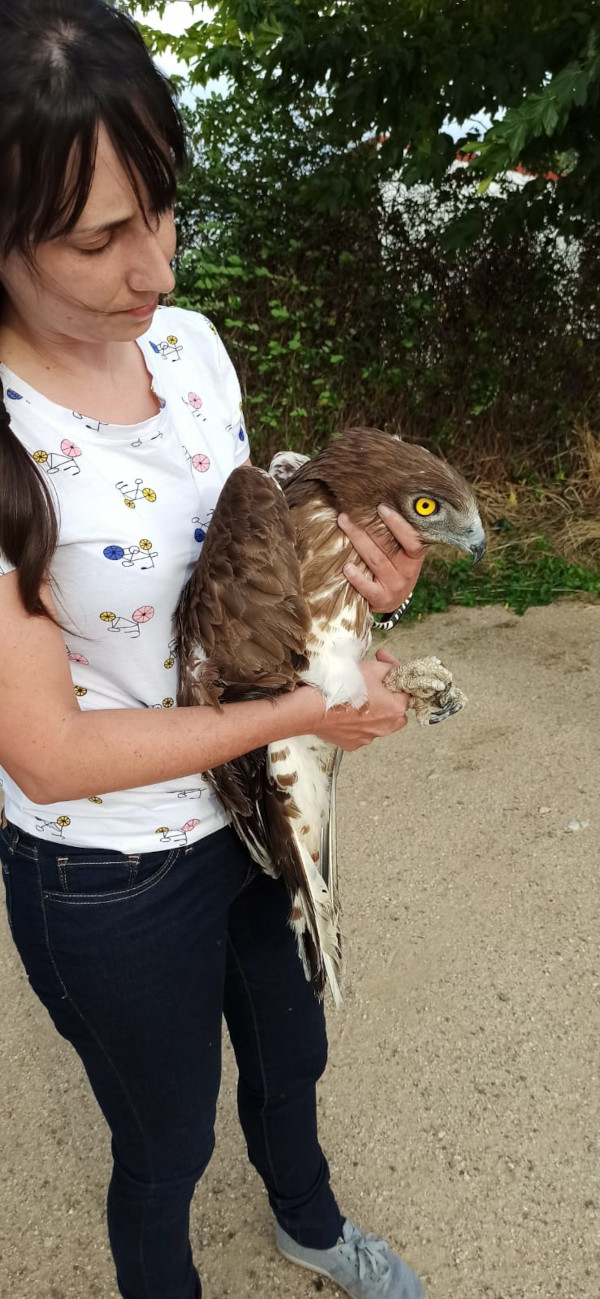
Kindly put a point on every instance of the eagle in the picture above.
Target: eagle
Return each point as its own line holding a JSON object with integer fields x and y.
{"x": 268, "y": 607}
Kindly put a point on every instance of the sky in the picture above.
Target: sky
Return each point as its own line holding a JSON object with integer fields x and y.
{"x": 178, "y": 16}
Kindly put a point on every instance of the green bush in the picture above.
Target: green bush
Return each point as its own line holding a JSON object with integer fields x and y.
{"x": 359, "y": 312}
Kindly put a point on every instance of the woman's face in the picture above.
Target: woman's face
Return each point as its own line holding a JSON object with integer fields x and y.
{"x": 90, "y": 280}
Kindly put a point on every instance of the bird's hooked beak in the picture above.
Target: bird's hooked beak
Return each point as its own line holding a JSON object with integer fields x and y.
{"x": 477, "y": 549}
{"x": 473, "y": 541}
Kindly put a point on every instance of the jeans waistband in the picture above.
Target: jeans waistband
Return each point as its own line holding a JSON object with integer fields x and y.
{"x": 13, "y": 835}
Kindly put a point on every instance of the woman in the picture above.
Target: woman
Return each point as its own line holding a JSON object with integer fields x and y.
{"x": 137, "y": 914}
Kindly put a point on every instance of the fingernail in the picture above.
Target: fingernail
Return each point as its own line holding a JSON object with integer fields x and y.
{"x": 383, "y": 510}
{"x": 349, "y": 570}
{"x": 343, "y": 520}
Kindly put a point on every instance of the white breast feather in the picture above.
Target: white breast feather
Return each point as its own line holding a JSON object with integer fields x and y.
{"x": 334, "y": 663}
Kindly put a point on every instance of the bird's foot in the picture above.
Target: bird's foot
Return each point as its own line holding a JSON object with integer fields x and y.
{"x": 432, "y": 696}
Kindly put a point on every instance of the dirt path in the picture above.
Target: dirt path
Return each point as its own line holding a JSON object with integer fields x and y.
{"x": 460, "y": 1110}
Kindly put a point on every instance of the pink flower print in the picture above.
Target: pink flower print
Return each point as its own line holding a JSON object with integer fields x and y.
{"x": 143, "y": 614}
{"x": 201, "y": 462}
{"x": 176, "y": 837}
{"x": 130, "y": 626}
{"x": 69, "y": 448}
{"x": 195, "y": 401}
{"x": 55, "y": 463}
{"x": 78, "y": 658}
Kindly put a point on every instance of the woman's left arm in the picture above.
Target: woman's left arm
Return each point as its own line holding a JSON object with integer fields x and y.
{"x": 394, "y": 576}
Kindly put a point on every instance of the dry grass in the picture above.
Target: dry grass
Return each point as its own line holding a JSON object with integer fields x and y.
{"x": 566, "y": 513}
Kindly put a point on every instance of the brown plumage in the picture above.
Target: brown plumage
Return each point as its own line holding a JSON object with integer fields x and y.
{"x": 268, "y": 607}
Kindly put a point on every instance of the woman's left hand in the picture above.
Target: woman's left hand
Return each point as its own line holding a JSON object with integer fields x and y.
{"x": 394, "y": 576}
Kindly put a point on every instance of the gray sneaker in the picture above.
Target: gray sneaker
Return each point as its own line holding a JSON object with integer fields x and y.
{"x": 359, "y": 1263}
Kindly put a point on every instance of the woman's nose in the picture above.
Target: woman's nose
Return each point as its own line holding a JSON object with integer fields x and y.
{"x": 152, "y": 272}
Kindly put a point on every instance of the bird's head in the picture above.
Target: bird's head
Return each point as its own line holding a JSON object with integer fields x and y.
{"x": 436, "y": 500}
{"x": 364, "y": 468}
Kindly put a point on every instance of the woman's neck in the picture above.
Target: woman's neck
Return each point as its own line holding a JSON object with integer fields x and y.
{"x": 108, "y": 381}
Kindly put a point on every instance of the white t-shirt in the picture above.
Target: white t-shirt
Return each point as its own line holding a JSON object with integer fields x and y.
{"x": 133, "y": 503}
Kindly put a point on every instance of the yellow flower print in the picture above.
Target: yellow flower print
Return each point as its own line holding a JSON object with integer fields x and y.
{"x": 40, "y": 457}
{"x": 172, "y": 340}
{"x": 108, "y": 617}
{"x": 145, "y": 544}
{"x": 169, "y": 663}
{"x": 130, "y": 505}
{"x": 162, "y": 829}
{"x": 168, "y": 703}
{"x": 63, "y": 820}
{"x": 80, "y": 691}
{"x": 148, "y": 494}
{"x": 94, "y": 799}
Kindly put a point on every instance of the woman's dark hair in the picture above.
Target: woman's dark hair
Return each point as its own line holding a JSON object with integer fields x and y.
{"x": 67, "y": 66}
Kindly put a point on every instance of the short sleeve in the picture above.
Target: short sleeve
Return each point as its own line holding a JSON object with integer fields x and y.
{"x": 234, "y": 396}
{"x": 200, "y": 332}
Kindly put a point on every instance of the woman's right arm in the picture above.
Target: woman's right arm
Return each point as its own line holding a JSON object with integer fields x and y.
{"x": 54, "y": 751}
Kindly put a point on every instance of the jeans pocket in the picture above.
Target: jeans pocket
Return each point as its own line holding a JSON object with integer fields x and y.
{"x": 83, "y": 876}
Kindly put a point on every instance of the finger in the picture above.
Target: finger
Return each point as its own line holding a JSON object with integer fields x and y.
{"x": 408, "y": 536}
{"x": 364, "y": 585}
{"x": 363, "y": 543}
{"x": 384, "y": 656}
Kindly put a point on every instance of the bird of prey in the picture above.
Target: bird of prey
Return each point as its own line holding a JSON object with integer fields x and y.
{"x": 268, "y": 607}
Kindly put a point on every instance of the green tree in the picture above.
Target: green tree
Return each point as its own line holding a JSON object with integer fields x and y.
{"x": 339, "y": 297}
{"x": 402, "y": 70}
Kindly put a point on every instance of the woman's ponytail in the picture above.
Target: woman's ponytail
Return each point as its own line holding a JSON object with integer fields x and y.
{"x": 28, "y": 525}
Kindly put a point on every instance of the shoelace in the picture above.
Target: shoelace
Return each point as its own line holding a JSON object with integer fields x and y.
{"x": 367, "y": 1253}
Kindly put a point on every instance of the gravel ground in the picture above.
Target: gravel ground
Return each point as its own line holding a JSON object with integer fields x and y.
{"x": 460, "y": 1109}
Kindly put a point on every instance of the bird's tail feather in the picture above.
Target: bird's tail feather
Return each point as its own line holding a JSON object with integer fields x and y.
{"x": 299, "y": 846}
{"x": 316, "y": 926}
{"x": 304, "y": 846}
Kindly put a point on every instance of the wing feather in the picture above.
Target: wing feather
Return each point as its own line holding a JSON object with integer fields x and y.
{"x": 243, "y": 625}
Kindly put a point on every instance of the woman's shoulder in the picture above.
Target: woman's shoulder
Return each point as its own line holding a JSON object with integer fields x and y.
{"x": 178, "y": 334}
{"x": 179, "y": 321}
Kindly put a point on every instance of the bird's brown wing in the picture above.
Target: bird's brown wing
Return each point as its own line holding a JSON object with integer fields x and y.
{"x": 242, "y": 624}
{"x": 242, "y": 620}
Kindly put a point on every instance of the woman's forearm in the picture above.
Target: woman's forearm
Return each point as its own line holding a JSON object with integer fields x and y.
{"x": 104, "y": 750}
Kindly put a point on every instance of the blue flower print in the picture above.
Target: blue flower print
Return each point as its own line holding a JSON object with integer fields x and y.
{"x": 132, "y": 555}
{"x": 201, "y": 530}
{"x": 14, "y": 396}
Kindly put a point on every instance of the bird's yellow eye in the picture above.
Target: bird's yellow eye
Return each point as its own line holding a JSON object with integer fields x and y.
{"x": 425, "y": 505}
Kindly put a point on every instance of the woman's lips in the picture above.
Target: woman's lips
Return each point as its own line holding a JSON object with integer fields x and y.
{"x": 140, "y": 312}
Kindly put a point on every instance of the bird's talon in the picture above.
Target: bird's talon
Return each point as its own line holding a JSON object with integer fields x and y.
{"x": 452, "y": 706}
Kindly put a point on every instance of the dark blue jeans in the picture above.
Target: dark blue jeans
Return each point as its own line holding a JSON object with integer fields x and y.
{"x": 136, "y": 958}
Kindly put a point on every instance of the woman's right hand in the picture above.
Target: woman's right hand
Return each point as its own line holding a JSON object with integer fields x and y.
{"x": 384, "y": 712}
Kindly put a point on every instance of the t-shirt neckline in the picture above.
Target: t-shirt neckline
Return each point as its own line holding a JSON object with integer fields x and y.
{"x": 93, "y": 428}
